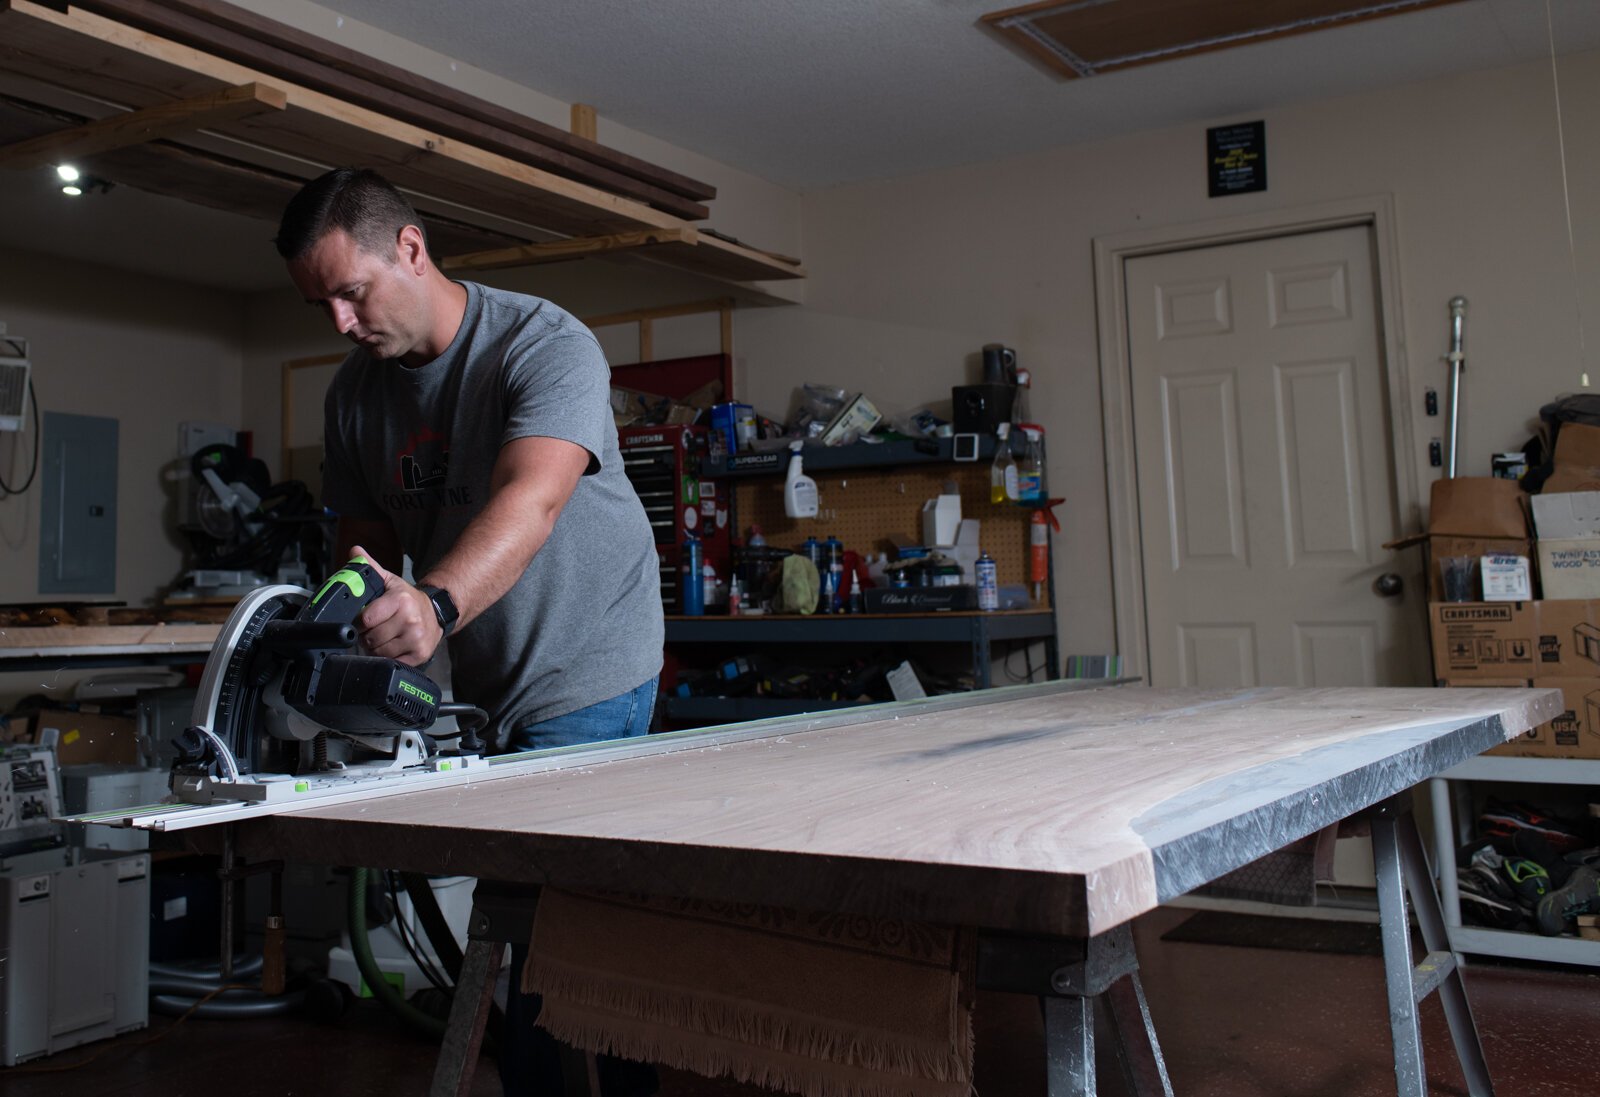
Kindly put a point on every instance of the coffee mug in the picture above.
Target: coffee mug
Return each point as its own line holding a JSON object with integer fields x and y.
{"x": 999, "y": 364}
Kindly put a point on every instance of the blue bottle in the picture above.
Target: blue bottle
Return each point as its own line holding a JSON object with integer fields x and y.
{"x": 813, "y": 550}
{"x": 693, "y": 581}
{"x": 833, "y": 554}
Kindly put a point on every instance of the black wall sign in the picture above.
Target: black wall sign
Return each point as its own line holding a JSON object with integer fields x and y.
{"x": 1236, "y": 158}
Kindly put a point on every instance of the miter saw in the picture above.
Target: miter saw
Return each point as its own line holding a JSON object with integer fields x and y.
{"x": 245, "y": 531}
{"x": 287, "y": 709}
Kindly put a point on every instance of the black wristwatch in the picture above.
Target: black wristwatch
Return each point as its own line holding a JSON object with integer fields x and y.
{"x": 444, "y": 607}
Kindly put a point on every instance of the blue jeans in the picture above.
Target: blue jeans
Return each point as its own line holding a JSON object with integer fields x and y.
{"x": 621, "y": 717}
{"x": 530, "y": 1062}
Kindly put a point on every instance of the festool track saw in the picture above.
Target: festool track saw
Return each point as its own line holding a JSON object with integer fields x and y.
{"x": 287, "y": 709}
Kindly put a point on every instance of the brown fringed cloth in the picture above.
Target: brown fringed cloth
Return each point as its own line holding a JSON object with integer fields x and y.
{"x": 824, "y": 1005}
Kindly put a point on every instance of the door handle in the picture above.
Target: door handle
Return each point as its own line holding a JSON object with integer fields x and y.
{"x": 1388, "y": 584}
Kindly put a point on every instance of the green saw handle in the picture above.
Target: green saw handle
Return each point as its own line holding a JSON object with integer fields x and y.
{"x": 346, "y": 593}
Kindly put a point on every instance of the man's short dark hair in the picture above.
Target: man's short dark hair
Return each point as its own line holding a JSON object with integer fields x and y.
{"x": 357, "y": 200}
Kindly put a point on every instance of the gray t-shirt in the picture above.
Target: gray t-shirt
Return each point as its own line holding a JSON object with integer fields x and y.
{"x": 417, "y": 447}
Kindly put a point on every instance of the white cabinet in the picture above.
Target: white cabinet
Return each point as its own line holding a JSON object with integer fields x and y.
{"x": 1449, "y": 833}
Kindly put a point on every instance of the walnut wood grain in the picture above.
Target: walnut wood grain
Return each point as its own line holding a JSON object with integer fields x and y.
{"x": 1040, "y": 811}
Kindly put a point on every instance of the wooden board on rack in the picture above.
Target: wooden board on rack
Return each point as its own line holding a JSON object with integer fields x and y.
{"x": 241, "y": 35}
{"x": 77, "y": 56}
{"x": 285, "y": 53}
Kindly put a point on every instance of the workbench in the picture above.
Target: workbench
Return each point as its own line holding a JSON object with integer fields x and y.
{"x": 1046, "y": 817}
{"x": 73, "y": 646}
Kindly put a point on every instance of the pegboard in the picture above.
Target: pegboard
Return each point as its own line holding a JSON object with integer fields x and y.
{"x": 865, "y": 507}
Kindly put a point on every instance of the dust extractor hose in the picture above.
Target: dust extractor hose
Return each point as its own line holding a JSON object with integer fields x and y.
{"x": 361, "y": 949}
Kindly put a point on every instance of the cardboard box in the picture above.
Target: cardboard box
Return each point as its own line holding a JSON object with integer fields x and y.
{"x": 941, "y": 519}
{"x": 1523, "y": 745}
{"x": 1575, "y": 733}
{"x": 1568, "y": 528}
{"x": 1470, "y": 516}
{"x": 1477, "y": 506}
{"x": 1567, "y": 638}
{"x": 83, "y": 737}
{"x": 858, "y": 417}
{"x": 1475, "y": 641}
{"x": 1576, "y": 460}
{"x": 1569, "y": 569}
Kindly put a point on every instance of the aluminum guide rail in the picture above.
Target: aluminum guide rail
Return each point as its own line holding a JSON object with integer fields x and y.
{"x": 324, "y": 791}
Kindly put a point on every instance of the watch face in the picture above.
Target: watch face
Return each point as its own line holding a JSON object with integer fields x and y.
{"x": 444, "y": 608}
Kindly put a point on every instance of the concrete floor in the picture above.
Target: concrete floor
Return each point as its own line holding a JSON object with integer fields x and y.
{"x": 1233, "y": 1022}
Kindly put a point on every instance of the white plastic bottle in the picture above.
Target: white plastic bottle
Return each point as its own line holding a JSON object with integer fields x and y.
{"x": 799, "y": 490}
{"x": 1003, "y": 473}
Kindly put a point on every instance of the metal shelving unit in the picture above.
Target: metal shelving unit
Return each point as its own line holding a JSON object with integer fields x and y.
{"x": 858, "y": 455}
{"x": 1500, "y": 942}
{"x": 977, "y": 631}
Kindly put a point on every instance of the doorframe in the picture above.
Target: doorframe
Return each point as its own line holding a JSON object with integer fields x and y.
{"x": 1111, "y": 254}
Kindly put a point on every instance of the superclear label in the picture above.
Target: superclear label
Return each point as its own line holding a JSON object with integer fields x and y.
{"x": 755, "y": 461}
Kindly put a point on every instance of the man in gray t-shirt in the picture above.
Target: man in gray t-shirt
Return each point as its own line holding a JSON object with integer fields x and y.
{"x": 471, "y": 430}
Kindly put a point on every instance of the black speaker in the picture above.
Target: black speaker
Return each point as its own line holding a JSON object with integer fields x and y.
{"x": 979, "y": 409}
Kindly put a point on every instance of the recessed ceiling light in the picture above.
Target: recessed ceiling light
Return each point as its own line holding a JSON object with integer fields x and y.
{"x": 72, "y": 190}
{"x": 68, "y": 173}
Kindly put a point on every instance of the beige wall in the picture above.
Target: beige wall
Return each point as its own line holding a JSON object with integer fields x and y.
{"x": 746, "y": 206}
{"x": 910, "y": 277}
{"x": 147, "y": 352}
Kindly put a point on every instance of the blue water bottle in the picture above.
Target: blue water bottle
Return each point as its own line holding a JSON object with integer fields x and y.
{"x": 693, "y": 583}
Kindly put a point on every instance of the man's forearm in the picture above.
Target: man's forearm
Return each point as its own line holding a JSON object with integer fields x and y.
{"x": 493, "y": 551}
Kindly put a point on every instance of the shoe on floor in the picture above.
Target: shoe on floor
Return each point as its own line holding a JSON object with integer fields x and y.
{"x": 1528, "y": 877}
{"x": 1579, "y": 895}
{"x": 1503, "y": 820}
{"x": 1481, "y": 906}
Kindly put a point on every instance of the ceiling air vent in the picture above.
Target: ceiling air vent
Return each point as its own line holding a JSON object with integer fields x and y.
{"x": 1087, "y": 37}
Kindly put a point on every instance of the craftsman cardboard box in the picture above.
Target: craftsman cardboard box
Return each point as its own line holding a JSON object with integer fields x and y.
{"x": 1573, "y": 733}
{"x": 1470, "y": 516}
{"x": 1474, "y": 641}
{"x": 1567, "y": 638}
{"x": 1527, "y": 744}
{"x": 1567, "y": 525}
{"x": 83, "y": 737}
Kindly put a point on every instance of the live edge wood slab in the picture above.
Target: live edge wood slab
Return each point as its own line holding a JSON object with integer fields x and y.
{"x": 1041, "y": 809}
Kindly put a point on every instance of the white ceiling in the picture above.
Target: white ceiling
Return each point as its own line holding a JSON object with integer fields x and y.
{"x": 812, "y": 93}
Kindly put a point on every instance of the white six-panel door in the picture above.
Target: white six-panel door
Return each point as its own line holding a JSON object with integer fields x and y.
{"x": 1264, "y": 466}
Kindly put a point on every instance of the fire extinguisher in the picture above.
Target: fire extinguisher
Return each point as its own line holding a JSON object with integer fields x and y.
{"x": 1039, "y": 526}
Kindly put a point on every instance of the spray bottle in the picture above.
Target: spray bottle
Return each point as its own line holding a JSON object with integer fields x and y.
{"x": 799, "y": 490}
